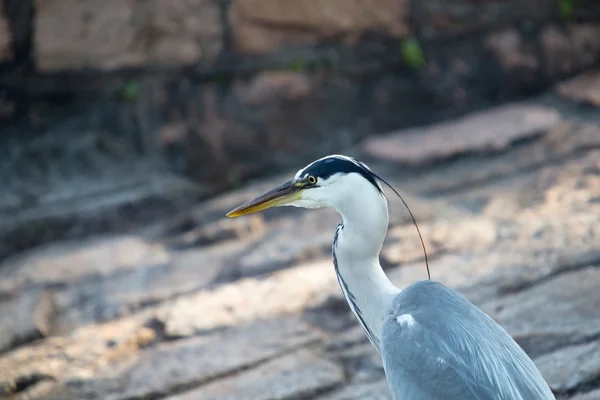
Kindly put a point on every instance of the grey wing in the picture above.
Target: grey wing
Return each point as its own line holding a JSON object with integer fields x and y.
{"x": 437, "y": 345}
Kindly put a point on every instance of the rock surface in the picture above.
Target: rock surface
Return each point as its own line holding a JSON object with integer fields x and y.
{"x": 443, "y": 18}
{"x": 118, "y": 34}
{"x": 5, "y": 36}
{"x": 570, "y": 367}
{"x": 593, "y": 395}
{"x": 561, "y": 48}
{"x": 199, "y": 306}
{"x": 25, "y": 316}
{"x": 373, "y": 391}
{"x": 497, "y": 129}
{"x": 583, "y": 88}
{"x": 298, "y": 375}
{"x": 265, "y": 25}
{"x": 559, "y": 312}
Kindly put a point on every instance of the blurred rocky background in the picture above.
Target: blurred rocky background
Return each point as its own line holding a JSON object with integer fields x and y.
{"x": 128, "y": 128}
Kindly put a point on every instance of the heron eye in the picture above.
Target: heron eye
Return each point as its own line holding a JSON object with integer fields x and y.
{"x": 312, "y": 180}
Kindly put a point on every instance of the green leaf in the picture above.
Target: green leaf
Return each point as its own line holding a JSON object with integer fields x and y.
{"x": 412, "y": 54}
{"x": 297, "y": 66}
{"x": 567, "y": 7}
{"x": 131, "y": 91}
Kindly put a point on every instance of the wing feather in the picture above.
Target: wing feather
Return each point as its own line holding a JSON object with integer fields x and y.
{"x": 452, "y": 350}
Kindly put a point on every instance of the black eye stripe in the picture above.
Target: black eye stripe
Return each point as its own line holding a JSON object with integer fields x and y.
{"x": 327, "y": 167}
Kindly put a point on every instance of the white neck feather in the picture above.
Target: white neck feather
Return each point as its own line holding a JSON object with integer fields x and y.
{"x": 365, "y": 221}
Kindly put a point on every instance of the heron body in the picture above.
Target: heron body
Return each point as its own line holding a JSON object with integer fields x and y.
{"x": 434, "y": 343}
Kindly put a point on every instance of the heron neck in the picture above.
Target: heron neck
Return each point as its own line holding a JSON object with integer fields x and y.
{"x": 358, "y": 242}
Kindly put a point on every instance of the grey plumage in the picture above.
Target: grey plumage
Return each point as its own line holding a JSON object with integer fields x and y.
{"x": 449, "y": 349}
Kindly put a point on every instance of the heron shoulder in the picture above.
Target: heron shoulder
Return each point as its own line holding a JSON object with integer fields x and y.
{"x": 425, "y": 299}
{"x": 442, "y": 310}
{"x": 433, "y": 325}
{"x": 434, "y": 307}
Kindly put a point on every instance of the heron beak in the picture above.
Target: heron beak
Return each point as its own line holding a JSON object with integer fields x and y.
{"x": 284, "y": 194}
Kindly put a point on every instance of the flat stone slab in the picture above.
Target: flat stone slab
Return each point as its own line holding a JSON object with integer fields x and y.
{"x": 593, "y": 395}
{"x": 568, "y": 140}
{"x": 25, "y": 317}
{"x": 262, "y": 31}
{"x": 85, "y": 39}
{"x": 98, "y": 299}
{"x": 197, "y": 360}
{"x": 372, "y": 390}
{"x": 558, "y": 312}
{"x": 104, "y": 279}
{"x": 63, "y": 263}
{"x": 122, "y": 368}
{"x": 283, "y": 292}
{"x": 584, "y": 88}
{"x": 55, "y": 361}
{"x": 5, "y": 36}
{"x": 302, "y": 374}
{"x": 570, "y": 367}
{"x": 486, "y": 131}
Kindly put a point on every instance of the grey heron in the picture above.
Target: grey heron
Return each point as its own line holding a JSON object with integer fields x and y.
{"x": 433, "y": 342}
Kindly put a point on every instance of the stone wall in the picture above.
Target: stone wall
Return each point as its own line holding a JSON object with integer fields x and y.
{"x": 5, "y": 37}
{"x": 216, "y": 92}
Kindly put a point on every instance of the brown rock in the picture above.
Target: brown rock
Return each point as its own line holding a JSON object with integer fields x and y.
{"x": 372, "y": 391}
{"x": 361, "y": 360}
{"x": 553, "y": 228}
{"x": 115, "y": 277}
{"x": 275, "y": 86}
{"x": 5, "y": 36}
{"x": 584, "y": 88}
{"x": 453, "y": 234}
{"x": 294, "y": 289}
{"x": 76, "y": 357}
{"x": 103, "y": 298}
{"x": 68, "y": 262}
{"x": 207, "y": 233}
{"x": 113, "y": 361}
{"x": 9, "y": 288}
{"x": 593, "y": 395}
{"x": 73, "y": 34}
{"x": 197, "y": 360}
{"x": 512, "y": 51}
{"x": 264, "y": 25}
{"x": 301, "y": 238}
{"x": 441, "y": 19}
{"x": 27, "y": 316}
{"x": 571, "y": 367}
{"x": 487, "y": 131}
{"x": 569, "y": 51}
{"x": 551, "y": 314}
{"x": 214, "y": 209}
{"x": 299, "y": 375}
{"x": 104, "y": 278}
{"x": 565, "y": 140}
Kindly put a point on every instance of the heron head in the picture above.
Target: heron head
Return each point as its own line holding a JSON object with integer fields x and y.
{"x": 327, "y": 182}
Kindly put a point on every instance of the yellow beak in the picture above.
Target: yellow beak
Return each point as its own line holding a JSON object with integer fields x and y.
{"x": 281, "y": 195}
